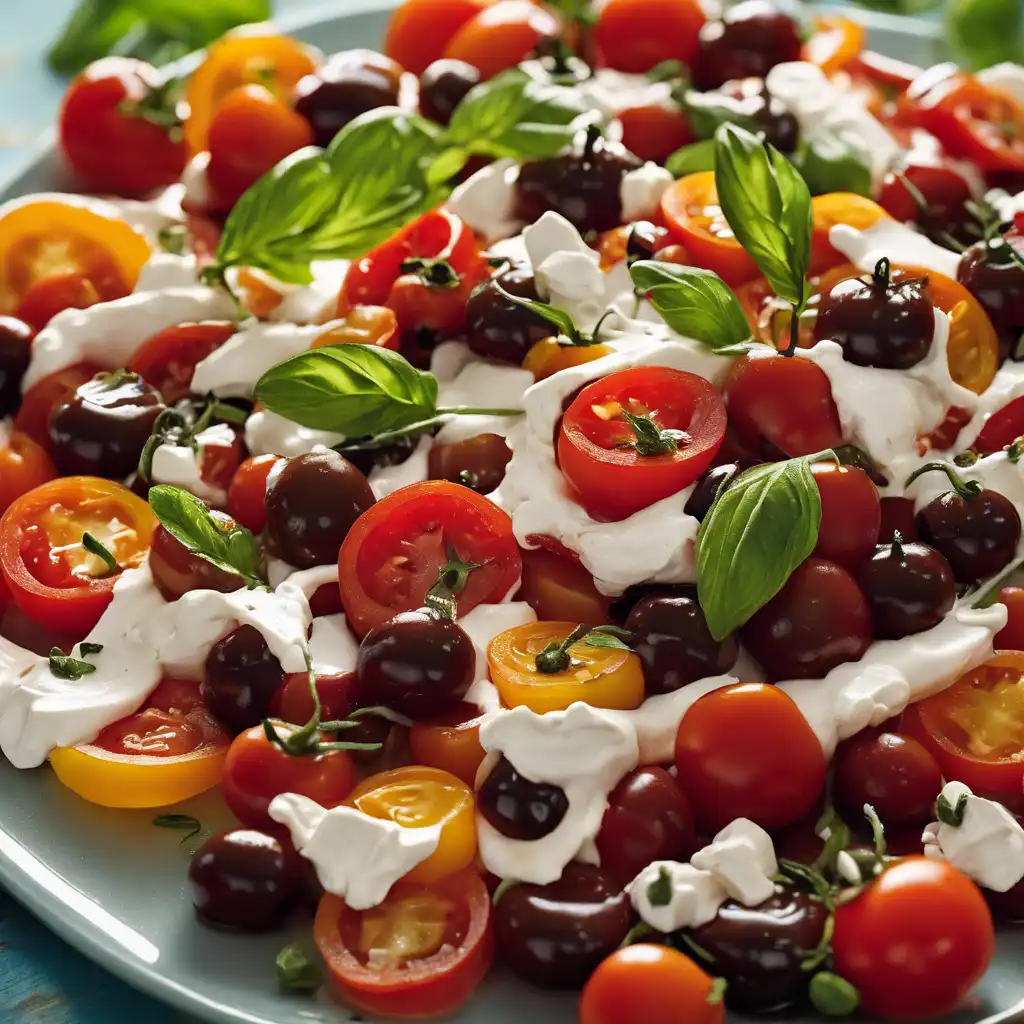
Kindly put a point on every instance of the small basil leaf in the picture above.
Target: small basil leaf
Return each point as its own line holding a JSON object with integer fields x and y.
{"x": 697, "y": 156}
{"x": 95, "y": 547}
{"x": 65, "y": 666}
{"x": 86, "y": 648}
{"x": 694, "y": 302}
{"x": 757, "y": 532}
{"x": 706, "y": 112}
{"x": 558, "y": 318}
{"x": 829, "y": 163}
{"x": 296, "y": 971}
{"x": 355, "y": 390}
{"x": 606, "y": 640}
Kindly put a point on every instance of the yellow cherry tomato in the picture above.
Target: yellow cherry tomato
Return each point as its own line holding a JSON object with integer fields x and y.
{"x": 417, "y": 797}
{"x": 604, "y": 677}
{"x": 547, "y": 357}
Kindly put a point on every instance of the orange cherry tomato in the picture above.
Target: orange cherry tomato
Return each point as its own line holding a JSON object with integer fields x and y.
{"x": 635, "y": 35}
{"x": 691, "y": 211}
{"x": 417, "y": 797}
{"x": 168, "y": 360}
{"x": 24, "y": 465}
{"x": 501, "y": 35}
{"x": 38, "y": 403}
{"x": 247, "y": 492}
{"x": 838, "y": 208}
{"x": 557, "y": 587}
{"x": 362, "y": 325}
{"x": 547, "y": 356}
{"x": 248, "y": 55}
{"x": 419, "y": 30}
{"x": 835, "y": 44}
{"x": 604, "y": 677}
{"x": 258, "y": 292}
{"x": 432, "y": 945}
{"x": 653, "y": 132}
{"x": 52, "y": 578}
{"x": 170, "y": 750}
{"x": 450, "y": 742}
{"x": 1011, "y": 636}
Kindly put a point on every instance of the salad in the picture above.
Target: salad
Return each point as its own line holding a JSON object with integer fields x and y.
{"x": 560, "y": 478}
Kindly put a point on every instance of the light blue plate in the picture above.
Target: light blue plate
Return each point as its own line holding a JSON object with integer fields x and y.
{"x": 113, "y": 886}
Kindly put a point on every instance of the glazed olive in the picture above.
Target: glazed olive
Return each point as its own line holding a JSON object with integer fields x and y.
{"x": 500, "y": 329}
{"x": 994, "y": 278}
{"x": 909, "y": 587}
{"x": 15, "y": 354}
{"x": 518, "y": 808}
{"x": 818, "y": 620}
{"x": 750, "y": 39}
{"x": 349, "y": 84}
{"x": 443, "y": 85}
{"x": 674, "y": 643}
{"x": 244, "y": 880}
{"x": 176, "y": 570}
{"x": 878, "y": 322}
{"x": 704, "y": 492}
{"x": 478, "y": 462}
{"x": 895, "y": 774}
{"x": 553, "y": 936}
{"x": 417, "y": 663}
{"x": 311, "y": 505}
{"x": 760, "y": 951}
{"x": 240, "y": 678}
{"x": 648, "y": 819}
{"x": 103, "y": 428}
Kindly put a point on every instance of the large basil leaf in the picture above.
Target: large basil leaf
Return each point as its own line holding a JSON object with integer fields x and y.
{"x": 697, "y": 156}
{"x": 828, "y": 163}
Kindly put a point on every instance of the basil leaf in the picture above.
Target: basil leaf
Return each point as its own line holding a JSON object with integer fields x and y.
{"x": 66, "y": 666}
{"x": 181, "y": 821}
{"x": 828, "y": 163}
{"x": 228, "y": 546}
{"x": 758, "y": 531}
{"x": 353, "y": 390}
{"x": 296, "y": 971}
{"x": 85, "y": 648}
{"x": 95, "y": 547}
{"x": 558, "y": 318}
{"x": 707, "y": 112}
{"x": 695, "y": 303}
{"x": 697, "y": 156}
{"x": 606, "y": 640}
{"x": 768, "y": 207}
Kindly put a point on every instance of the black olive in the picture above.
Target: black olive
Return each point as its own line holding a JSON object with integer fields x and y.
{"x": 518, "y": 808}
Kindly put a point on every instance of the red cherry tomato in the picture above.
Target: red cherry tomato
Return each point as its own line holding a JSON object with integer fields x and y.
{"x": 915, "y": 941}
{"x": 38, "y": 403}
{"x": 501, "y": 35}
{"x": 119, "y": 128}
{"x": 440, "y": 310}
{"x": 168, "y": 360}
{"x": 394, "y": 551}
{"x": 24, "y": 465}
{"x": 219, "y": 463}
{"x": 635, "y": 35}
{"x": 559, "y": 588}
{"x": 1011, "y": 636}
{"x": 419, "y": 30}
{"x": 247, "y": 492}
{"x": 746, "y": 751}
{"x": 52, "y": 295}
{"x": 654, "y": 133}
{"x": 944, "y": 191}
{"x": 1002, "y": 428}
{"x": 601, "y": 456}
{"x": 851, "y": 513}
{"x": 294, "y": 703}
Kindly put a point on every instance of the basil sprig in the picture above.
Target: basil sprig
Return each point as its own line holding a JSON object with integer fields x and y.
{"x": 66, "y": 666}
{"x": 297, "y": 971}
{"x": 758, "y": 531}
{"x": 217, "y": 540}
{"x": 185, "y": 822}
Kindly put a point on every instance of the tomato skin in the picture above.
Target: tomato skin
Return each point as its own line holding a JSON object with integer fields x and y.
{"x": 450, "y": 742}
{"x": 654, "y": 133}
{"x": 247, "y": 492}
{"x": 167, "y": 360}
{"x": 835, "y": 44}
{"x": 915, "y": 941}
{"x": 1011, "y": 636}
{"x": 419, "y": 30}
{"x": 1002, "y": 428}
{"x": 38, "y": 403}
{"x": 115, "y": 151}
{"x": 24, "y": 465}
{"x": 851, "y": 513}
{"x": 52, "y": 295}
{"x": 362, "y": 325}
{"x": 294, "y": 703}
{"x": 636, "y": 35}
{"x": 746, "y": 751}
{"x": 554, "y": 586}
{"x": 501, "y": 35}
{"x": 838, "y": 208}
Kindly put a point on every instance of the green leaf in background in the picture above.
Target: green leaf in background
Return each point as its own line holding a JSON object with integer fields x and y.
{"x": 829, "y": 163}
{"x": 981, "y": 33}
{"x": 697, "y": 156}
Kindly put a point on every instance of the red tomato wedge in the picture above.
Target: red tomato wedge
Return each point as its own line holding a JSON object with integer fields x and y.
{"x": 168, "y": 360}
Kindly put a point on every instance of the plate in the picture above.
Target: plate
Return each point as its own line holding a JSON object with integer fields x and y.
{"x": 113, "y": 886}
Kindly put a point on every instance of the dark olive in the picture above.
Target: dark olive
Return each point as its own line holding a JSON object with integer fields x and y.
{"x": 760, "y": 951}
{"x": 994, "y": 278}
{"x": 176, "y": 570}
{"x": 879, "y": 322}
{"x": 103, "y": 428}
{"x": 500, "y": 329}
{"x": 15, "y": 354}
{"x": 417, "y": 663}
{"x": 716, "y": 479}
{"x": 478, "y": 462}
{"x": 240, "y": 678}
{"x": 553, "y": 936}
{"x": 909, "y": 587}
{"x": 244, "y": 880}
{"x": 675, "y": 644}
{"x": 443, "y": 85}
{"x": 518, "y": 808}
{"x": 312, "y": 504}
{"x": 349, "y": 84}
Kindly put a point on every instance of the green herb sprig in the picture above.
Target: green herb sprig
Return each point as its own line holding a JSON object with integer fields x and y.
{"x": 65, "y": 666}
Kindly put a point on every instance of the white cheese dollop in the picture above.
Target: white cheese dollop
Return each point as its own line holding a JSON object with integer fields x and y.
{"x": 485, "y": 201}
{"x": 386, "y": 479}
{"x": 267, "y": 433}
{"x": 485, "y": 385}
{"x": 1008, "y": 77}
{"x": 332, "y": 647}
{"x": 182, "y": 466}
{"x": 483, "y": 624}
{"x": 315, "y": 302}
{"x": 742, "y": 858}
{"x": 896, "y": 242}
{"x": 641, "y": 191}
{"x": 695, "y": 896}
{"x": 167, "y": 270}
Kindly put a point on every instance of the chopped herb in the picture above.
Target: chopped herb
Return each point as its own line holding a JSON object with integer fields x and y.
{"x": 434, "y": 273}
{"x": 659, "y": 892}
{"x": 650, "y": 439}
{"x": 65, "y": 666}
{"x": 951, "y": 814}
{"x": 296, "y": 971}
{"x": 86, "y": 648}
{"x": 181, "y": 822}
{"x": 94, "y": 547}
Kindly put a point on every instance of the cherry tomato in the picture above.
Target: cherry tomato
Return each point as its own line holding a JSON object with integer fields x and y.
{"x": 362, "y": 325}
{"x": 1011, "y": 636}
{"x": 417, "y": 797}
{"x": 603, "y": 457}
{"x": 393, "y": 553}
{"x": 501, "y": 35}
{"x": 851, "y": 513}
{"x": 168, "y": 360}
{"x": 419, "y": 30}
{"x": 547, "y": 357}
{"x": 746, "y": 751}
{"x": 52, "y": 295}
{"x": 294, "y": 703}
{"x": 636, "y": 35}
{"x": 691, "y": 211}
{"x": 835, "y": 44}
{"x": 450, "y": 742}
{"x": 1001, "y": 429}
{"x": 119, "y": 127}
{"x": 24, "y": 465}
{"x": 653, "y": 132}
{"x": 889, "y": 72}
{"x": 915, "y": 941}
{"x": 247, "y": 492}
{"x": 770, "y": 317}
{"x": 52, "y": 577}
{"x": 170, "y": 750}
{"x": 838, "y": 208}
{"x": 943, "y": 189}
{"x": 419, "y": 306}
{"x": 555, "y": 586}
{"x": 655, "y": 984}
{"x": 432, "y": 947}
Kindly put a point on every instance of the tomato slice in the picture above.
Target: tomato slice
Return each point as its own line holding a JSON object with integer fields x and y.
{"x": 835, "y": 44}
{"x": 52, "y": 578}
{"x": 168, "y": 751}
{"x": 38, "y": 403}
{"x": 838, "y": 208}
{"x": 603, "y": 460}
{"x": 168, "y": 360}
{"x": 450, "y": 741}
{"x": 420, "y": 954}
{"x": 395, "y": 550}
{"x": 24, "y": 465}
{"x": 1002, "y": 428}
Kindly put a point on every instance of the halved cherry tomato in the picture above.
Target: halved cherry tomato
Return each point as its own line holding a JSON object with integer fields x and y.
{"x": 258, "y": 292}
{"x": 24, "y": 465}
{"x": 770, "y": 317}
{"x": 547, "y": 356}
{"x": 52, "y": 295}
{"x": 555, "y": 586}
{"x": 252, "y": 54}
{"x": 52, "y": 577}
{"x": 432, "y": 946}
{"x": 944, "y": 190}
{"x": 168, "y": 360}
{"x": 501, "y": 35}
{"x": 604, "y": 677}
{"x": 838, "y": 208}
{"x": 417, "y": 797}
{"x": 885, "y": 71}
{"x": 653, "y": 132}
{"x": 450, "y": 742}
{"x": 219, "y": 462}
{"x": 835, "y": 44}
{"x": 38, "y": 403}
{"x": 247, "y": 492}
{"x": 392, "y": 554}
{"x": 362, "y": 325}
{"x": 419, "y": 30}
{"x": 1002, "y": 428}
{"x": 635, "y": 35}
{"x": 603, "y": 459}
{"x": 170, "y": 750}
{"x": 691, "y": 211}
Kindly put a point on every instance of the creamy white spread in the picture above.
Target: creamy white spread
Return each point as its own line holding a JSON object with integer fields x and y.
{"x": 897, "y": 242}
{"x": 182, "y": 466}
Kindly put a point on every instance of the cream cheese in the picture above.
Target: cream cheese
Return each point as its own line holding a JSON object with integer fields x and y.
{"x": 182, "y": 466}
{"x": 899, "y": 243}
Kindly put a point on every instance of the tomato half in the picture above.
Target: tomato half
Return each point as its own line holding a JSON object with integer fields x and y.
{"x": 362, "y": 325}
{"x": 394, "y": 551}
{"x": 547, "y": 356}
{"x": 835, "y": 43}
{"x": 838, "y": 208}
{"x": 419, "y": 30}
{"x": 1002, "y": 428}
{"x": 604, "y": 460}
{"x": 636, "y": 35}
{"x": 168, "y": 360}
{"x": 654, "y": 132}
{"x": 170, "y": 750}
{"x": 501, "y": 35}
{"x": 52, "y": 577}
{"x": 435, "y": 946}
{"x": 24, "y": 465}
{"x": 450, "y": 742}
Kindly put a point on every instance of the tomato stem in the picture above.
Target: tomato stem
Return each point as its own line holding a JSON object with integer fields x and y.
{"x": 967, "y": 489}
{"x": 441, "y": 598}
{"x": 882, "y": 273}
{"x": 555, "y": 656}
{"x": 897, "y": 544}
